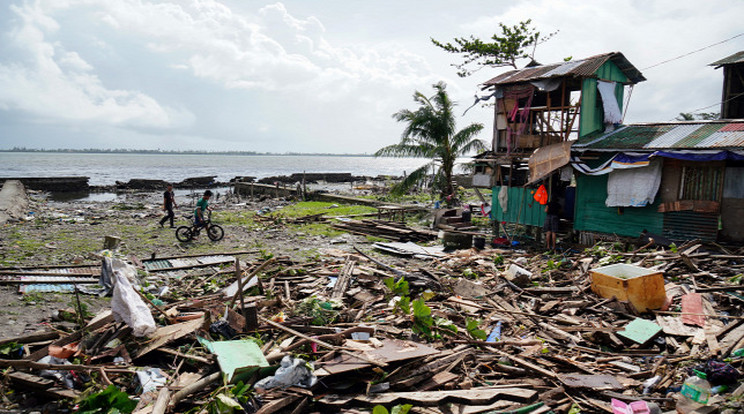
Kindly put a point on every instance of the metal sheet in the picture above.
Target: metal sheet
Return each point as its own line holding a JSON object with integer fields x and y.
{"x": 578, "y": 68}
{"x": 690, "y": 225}
{"x": 674, "y": 135}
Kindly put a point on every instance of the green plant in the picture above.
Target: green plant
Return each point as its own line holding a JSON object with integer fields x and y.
{"x": 472, "y": 326}
{"x": 110, "y": 401}
{"x": 321, "y": 312}
{"x": 673, "y": 248}
{"x": 513, "y": 44}
{"x": 33, "y": 297}
{"x": 398, "y": 409}
{"x": 230, "y": 399}
{"x": 11, "y": 350}
{"x": 498, "y": 260}
{"x": 265, "y": 254}
{"x": 424, "y": 323}
{"x": 399, "y": 288}
{"x": 430, "y": 132}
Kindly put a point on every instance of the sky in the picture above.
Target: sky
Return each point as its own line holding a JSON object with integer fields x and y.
{"x": 321, "y": 76}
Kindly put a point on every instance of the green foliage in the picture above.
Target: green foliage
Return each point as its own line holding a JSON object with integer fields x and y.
{"x": 231, "y": 399}
{"x": 504, "y": 50}
{"x": 265, "y": 254}
{"x": 309, "y": 208}
{"x": 430, "y": 133}
{"x": 469, "y": 273}
{"x": 704, "y": 116}
{"x": 109, "y": 401}
{"x": 472, "y": 326}
{"x": 424, "y": 323}
{"x": 34, "y": 297}
{"x": 128, "y": 207}
{"x": 321, "y": 312}
{"x": 399, "y": 288}
{"x": 11, "y": 350}
{"x": 404, "y": 304}
{"x": 398, "y": 409}
{"x": 498, "y": 260}
{"x": 422, "y": 320}
{"x": 673, "y": 248}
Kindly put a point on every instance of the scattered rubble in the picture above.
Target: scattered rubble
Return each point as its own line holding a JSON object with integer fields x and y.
{"x": 472, "y": 331}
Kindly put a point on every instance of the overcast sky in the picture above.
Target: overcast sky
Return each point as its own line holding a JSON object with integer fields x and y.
{"x": 311, "y": 76}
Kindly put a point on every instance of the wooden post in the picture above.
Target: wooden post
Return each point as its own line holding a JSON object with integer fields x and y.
{"x": 111, "y": 243}
{"x": 240, "y": 286}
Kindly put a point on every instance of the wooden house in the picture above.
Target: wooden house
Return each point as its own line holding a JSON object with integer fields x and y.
{"x": 538, "y": 112}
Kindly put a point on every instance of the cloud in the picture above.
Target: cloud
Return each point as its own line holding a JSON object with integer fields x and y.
{"x": 647, "y": 33}
{"x": 56, "y": 84}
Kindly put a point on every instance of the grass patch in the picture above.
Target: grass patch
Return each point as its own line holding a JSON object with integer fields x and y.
{"x": 309, "y": 208}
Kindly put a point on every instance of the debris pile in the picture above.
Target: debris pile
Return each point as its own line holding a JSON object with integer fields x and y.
{"x": 474, "y": 331}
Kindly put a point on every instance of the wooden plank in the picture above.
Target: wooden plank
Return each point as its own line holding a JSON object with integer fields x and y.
{"x": 692, "y": 310}
{"x": 482, "y": 395}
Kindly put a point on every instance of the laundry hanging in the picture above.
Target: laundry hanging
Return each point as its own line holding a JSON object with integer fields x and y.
{"x": 612, "y": 113}
{"x": 636, "y": 187}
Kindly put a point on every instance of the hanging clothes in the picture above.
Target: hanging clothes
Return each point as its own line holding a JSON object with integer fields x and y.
{"x": 636, "y": 187}
{"x": 612, "y": 114}
{"x": 541, "y": 195}
{"x": 504, "y": 198}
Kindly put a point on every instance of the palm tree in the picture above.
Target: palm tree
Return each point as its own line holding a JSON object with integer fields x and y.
{"x": 430, "y": 133}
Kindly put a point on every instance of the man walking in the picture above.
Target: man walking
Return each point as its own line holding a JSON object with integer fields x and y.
{"x": 169, "y": 203}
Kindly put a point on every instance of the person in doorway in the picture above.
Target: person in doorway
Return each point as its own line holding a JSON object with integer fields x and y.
{"x": 552, "y": 220}
{"x": 201, "y": 206}
{"x": 169, "y": 203}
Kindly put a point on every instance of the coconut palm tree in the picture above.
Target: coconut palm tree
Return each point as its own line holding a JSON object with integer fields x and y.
{"x": 430, "y": 133}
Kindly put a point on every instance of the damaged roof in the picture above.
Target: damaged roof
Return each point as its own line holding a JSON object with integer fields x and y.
{"x": 675, "y": 135}
{"x": 737, "y": 57}
{"x": 583, "y": 68}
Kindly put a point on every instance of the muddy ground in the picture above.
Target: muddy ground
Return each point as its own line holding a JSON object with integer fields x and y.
{"x": 67, "y": 233}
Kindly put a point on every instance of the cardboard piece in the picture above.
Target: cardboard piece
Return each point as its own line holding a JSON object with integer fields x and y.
{"x": 640, "y": 331}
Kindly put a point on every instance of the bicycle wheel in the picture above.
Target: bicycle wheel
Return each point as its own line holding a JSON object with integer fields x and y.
{"x": 184, "y": 234}
{"x": 215, "y": 232}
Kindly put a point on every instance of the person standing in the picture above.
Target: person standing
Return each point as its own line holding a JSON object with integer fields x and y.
{"x": 552, "y": 221}
{"x": 169, "y": 203}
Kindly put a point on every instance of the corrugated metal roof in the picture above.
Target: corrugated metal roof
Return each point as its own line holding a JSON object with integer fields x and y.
{"x": 737, "y": 57}
{"x": 680, "y": 135}
{"x": 583, "y": 68}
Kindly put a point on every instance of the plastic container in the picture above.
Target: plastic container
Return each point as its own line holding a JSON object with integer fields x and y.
{"x": 644, "y": 288}
{"x": 694, "y": 394}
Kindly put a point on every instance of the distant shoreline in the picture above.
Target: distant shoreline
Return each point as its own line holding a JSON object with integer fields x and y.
{"x": 160, "y": 152}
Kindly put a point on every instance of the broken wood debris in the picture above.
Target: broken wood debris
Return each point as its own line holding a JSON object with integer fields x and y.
{"x": 473, "y": 342}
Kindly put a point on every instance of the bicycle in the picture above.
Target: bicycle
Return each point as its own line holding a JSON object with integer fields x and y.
{"x": 187, "y": 233}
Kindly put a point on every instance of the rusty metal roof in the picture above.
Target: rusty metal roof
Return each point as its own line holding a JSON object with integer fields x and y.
{"x": 678, "y": 135}
{"x": 737, "y": 57}
{"x": 583, "y": 68}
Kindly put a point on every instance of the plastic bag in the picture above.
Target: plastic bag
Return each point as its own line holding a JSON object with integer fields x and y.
{"x": 126, "y": 305}
{"x": 292, "y": 371}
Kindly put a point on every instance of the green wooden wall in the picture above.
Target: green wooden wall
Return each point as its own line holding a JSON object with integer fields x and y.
{"x": 521, "y": 207}
{"x": 592, "y": 215}
{"x": 591, "y": 109}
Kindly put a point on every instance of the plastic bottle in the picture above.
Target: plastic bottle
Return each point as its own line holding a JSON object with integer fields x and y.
{"x": 694, "y": 394}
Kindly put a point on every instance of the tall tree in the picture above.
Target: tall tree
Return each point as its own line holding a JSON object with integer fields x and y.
{"x": 504, "y": 50}
{"x": 430, "y": 132}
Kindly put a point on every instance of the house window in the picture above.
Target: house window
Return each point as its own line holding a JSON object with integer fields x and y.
{"x": 701, "y": 183}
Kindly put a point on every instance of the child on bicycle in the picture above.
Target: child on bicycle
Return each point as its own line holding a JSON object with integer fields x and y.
{"x": 201, "y": 206}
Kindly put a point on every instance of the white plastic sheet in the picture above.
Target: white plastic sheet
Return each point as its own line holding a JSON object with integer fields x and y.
{"x": 126, "y": 305}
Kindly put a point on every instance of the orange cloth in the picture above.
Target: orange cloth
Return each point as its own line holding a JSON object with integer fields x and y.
{"x": 541, "y": 195}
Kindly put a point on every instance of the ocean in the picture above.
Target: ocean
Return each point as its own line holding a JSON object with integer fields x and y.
{"x": 107, "y": 169}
